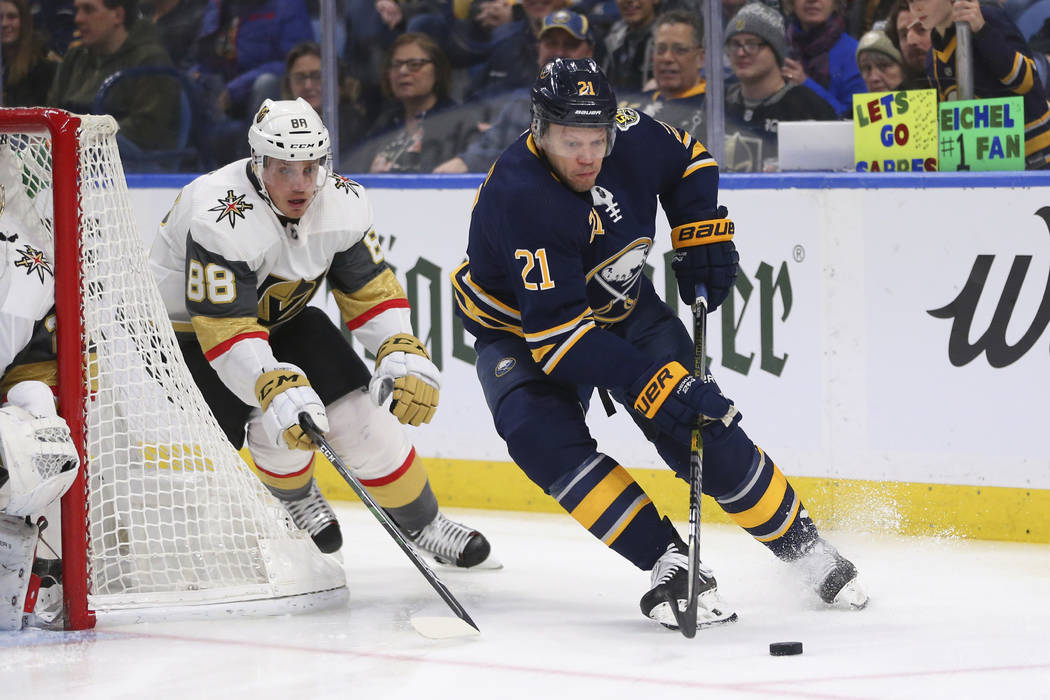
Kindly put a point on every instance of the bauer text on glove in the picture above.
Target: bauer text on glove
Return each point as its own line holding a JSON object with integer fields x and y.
{"x": 674, "y": 400}
{"x": 705, "y": 252}
{"x": 404, "y": 369}
{"x": 284, "y": 392}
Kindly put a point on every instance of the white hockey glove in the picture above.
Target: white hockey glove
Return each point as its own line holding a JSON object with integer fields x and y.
{"x": 35, "y": 449}
{"x": 284, "y": 393}
{"x": 404, "y": 369}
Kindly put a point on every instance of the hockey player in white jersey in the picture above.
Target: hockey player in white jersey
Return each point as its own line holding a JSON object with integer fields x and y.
{"x": 239, "y": 256}
{"x": 38, "y": 459}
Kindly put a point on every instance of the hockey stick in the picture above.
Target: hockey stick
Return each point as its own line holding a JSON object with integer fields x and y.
{"x": 434, "y": 627}
{"x": 687, "y": 623}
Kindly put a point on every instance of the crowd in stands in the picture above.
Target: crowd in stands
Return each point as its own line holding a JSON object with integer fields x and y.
{"x": 442, "y": 85}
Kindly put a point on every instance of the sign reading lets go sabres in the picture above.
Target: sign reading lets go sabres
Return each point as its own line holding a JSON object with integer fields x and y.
{"x": 895, "y": 131}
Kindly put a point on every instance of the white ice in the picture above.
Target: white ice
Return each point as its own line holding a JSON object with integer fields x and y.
{"x": 948, "y": 619}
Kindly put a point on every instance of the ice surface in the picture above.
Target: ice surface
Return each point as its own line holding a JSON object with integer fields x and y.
{"x": 947, "y": 619}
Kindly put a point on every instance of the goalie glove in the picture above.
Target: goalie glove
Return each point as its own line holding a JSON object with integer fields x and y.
{"x": 284, "y": 392}
{"x": 36, "y": 450}
{"x": 404, "y": 369}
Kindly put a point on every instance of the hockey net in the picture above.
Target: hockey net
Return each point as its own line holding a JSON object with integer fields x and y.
{"x": 165, "y": 515}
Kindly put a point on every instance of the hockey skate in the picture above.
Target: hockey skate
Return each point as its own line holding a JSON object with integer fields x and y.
{"x": 832, "y": 576}
{"x": 670, "y": 586}
{"x": 311, "y": 513}
{"x": 450, "y": 544}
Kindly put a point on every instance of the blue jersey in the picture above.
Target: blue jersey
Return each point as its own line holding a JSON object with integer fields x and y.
{"x": 560, "y": 269}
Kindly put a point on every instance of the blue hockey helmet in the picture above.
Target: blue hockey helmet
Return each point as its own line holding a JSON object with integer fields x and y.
{"x": 573, "y": 92}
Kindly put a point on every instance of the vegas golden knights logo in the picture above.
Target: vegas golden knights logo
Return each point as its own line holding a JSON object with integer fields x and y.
{"x": 283, "y": 299}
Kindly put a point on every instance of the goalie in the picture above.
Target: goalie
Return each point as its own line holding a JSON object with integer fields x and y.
{"x": 237, "y": 259}
{"x": 38, "y": 460}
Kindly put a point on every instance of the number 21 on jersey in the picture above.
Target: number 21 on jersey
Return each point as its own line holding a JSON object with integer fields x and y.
{"x": 534, "y": 259}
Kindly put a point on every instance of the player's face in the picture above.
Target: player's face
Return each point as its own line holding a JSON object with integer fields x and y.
{"x": 558, "y": 43}
{"x": 914, "y": 39}
{"x": 750, "y": 57}
{"x": 291, "y": 184}
{"x": 10, "y": 23}
{"x": 576, "y": 154}
{"x": 880, "y": 72}
{"x": 932, "y": 13}
{"x": 677, "y": 58}
{"x": 304, "y": 79}
{"x": 96, "y": 22}
{"x": 810, "y": 13}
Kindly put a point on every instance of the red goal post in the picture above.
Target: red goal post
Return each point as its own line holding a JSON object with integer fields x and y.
{"x": 164, "y": 518}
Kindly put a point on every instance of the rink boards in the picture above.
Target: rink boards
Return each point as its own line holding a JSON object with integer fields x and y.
{"x": 887, "y": 344}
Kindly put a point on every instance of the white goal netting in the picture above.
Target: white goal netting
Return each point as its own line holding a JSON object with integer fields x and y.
{"x": 174, "y": 516}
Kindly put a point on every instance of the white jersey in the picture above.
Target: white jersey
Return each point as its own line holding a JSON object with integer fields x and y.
{"x": 27, "y": 295}
{"x": 229, "y": 268}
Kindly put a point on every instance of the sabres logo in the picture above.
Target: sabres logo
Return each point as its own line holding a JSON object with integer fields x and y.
{"x": 231, "y": 207}
{"x": 33, "y": 260}
{"x": 345, "y": 184}
{"x": 626, "y": 118}
{"x": 505, "y": 365}
{"x": 261, "y": 115}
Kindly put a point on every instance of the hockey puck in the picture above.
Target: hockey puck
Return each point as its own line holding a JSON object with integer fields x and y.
{"x": 785, "y": 648}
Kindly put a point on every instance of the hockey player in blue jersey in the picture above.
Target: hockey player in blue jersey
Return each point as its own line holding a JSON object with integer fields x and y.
{"x": 554, "y": 294}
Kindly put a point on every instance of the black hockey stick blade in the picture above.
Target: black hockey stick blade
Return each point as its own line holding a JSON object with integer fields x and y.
{"x": 696, "y": 465}
{"x": 315, "y": 434}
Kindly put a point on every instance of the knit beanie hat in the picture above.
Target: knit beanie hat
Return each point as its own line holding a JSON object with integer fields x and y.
{"x": 764, "y": 22}
{"x": 876, "y": 40}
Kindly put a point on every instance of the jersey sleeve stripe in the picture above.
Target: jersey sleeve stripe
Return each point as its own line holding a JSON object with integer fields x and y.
{"x": 566, "y": 345}
{"x": 693, "y": 167}
{"x": 224, "y": 346}
{"x": 362, "y": 319}
{"x": 548, "y": 333}
{"x": 380, "y": 293}
{"x": 217, "y": 335}
{"x": 490, "y": 300}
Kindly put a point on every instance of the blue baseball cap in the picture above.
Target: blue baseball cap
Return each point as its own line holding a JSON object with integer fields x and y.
{"x": 569, "y": 21}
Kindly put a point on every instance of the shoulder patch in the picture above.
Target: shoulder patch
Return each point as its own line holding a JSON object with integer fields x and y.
{"x": 626, "y": 118}
{"x": 230, "y": 207}
{"x": 346, "y": 184}
{"x": 33, "y": 260}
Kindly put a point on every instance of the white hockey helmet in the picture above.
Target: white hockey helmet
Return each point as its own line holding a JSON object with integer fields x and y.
{"x": 289, "y": 130}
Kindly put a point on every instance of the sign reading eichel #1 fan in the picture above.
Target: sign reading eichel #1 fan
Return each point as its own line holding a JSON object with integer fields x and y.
{"x": 982, "y": 134}
{"x": 895, "y": 131}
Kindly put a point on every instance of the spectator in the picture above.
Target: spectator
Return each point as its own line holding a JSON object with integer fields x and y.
{"x": 678, "y": 57}
{"x": 422, "y": 128}
{"x": 824, "y": 54}
{"x": 863, "y": 15}
{"x": 880, "y": 62}
{"x": 564, "y": 34}
{"x": 468, "y": 39}
{"x": 241, "y": 50}
{"x": 179, "y": 24}
{"x": 113, "y": 39}
{"x": 628, "y": 63}
{"x": 1002, "y": 64}
{"x": 29, "y": 66}
{"x": 54, "y": 18}
{"x": 913, "y": 40}
{"x": 1039, "y": 43}
{"x": 761, "y": 98}
{"x": 302, "y": 78}
{"x": 512, "y": 63}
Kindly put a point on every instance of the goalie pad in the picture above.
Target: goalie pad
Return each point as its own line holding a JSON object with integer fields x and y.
{"x": 39, "y": 458}
{"x": 17, "y": 545}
